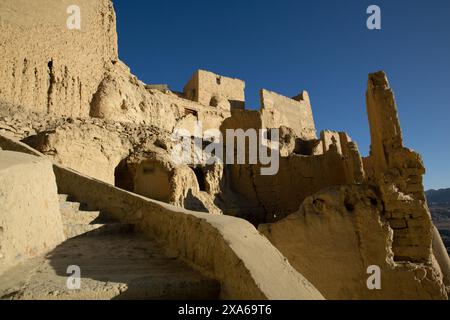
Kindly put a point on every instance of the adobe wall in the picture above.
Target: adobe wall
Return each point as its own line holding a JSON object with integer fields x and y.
{"x": 190, "y": 90}
{"x": 330, "y": 138}
{"x": 383, "y": 222}
{"x": 228, "y": 249}
{"x": 205, "y": 85}
{"x": 277, "y": 110}
{"x": 337, "y": 234}
{"x": 46, "y": 67}
{"x": 30, "y": 221}
{"x": 89, "y": 148}
{"x": 156, "y": 178}
{"x": 195, "y": 113}
{"x": 397, "y": 172}
{"x": 122, "y": 97}
{"x": 225, "y": 248}
{"x": 298, "y": 178}
{"x": 271, "y": 198}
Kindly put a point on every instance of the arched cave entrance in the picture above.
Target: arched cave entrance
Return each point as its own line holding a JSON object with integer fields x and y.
{"x": 153, "y": 180}
{"x": 123, "y": 177}
{"x": 200, "y": 175}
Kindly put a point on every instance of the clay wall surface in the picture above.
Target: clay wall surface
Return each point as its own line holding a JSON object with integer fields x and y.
{"x": 228, "y": 249}
{"x": 225, "y": 248}
{"x": 30, "y": 221}
{"x": 271, "y": 198}
{"x": 334, "y": 238}
{"x": 277, "y": 110}
{"x": 90, "y": 149}
{"x": 152, "y": 181}
{"x": 383, "y": 221}
{"x": 46, "y": 67}
{"x": 298, "y": 178}
{"x": 330, "y": 138}
{"x": 398, "y": 172}
{"x": 122, "y": 97}
{"x": 205, "y": 85}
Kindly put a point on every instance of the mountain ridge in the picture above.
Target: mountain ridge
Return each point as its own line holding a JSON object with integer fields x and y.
{"x": 438, "y": 196}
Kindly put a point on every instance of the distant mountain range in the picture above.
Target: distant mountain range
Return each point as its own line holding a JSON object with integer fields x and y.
{"x": 441, "y": 196}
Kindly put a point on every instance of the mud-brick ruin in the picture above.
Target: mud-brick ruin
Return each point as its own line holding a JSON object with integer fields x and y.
{"x": 87, "y": 179}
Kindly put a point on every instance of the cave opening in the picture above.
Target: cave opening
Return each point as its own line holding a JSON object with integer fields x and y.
{"x": 200, "y": 175}
{"x": 123, "y": 177}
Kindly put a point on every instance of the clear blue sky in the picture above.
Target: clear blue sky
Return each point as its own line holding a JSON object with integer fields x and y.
{"x": 322, "y": 46}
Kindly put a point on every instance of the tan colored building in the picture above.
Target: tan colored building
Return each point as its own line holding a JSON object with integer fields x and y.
{"x": 295, "y": 113}
{"x": 206, "y": 87}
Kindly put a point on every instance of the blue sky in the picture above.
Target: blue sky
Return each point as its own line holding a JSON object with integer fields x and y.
{"x": 322, "y": 46}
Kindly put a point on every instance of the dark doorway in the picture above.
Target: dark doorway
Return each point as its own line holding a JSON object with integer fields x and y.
{"x": 200, "y": 178}
{"x": 123, "y": 178}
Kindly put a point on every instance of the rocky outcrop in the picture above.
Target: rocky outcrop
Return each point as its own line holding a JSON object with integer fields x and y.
{"x": 89, "y": 148}
{"x": 337, "y": 235}
{"x": 122, "y": 97}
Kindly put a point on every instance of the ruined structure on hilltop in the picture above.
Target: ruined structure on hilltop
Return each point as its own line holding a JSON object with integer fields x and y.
{"x": 381, "y": 220}
{"x": 331, "y": 212}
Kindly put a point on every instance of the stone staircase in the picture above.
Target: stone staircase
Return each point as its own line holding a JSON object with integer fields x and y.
{"x": 114, "y": 263}
{"x": 78, "y": 219}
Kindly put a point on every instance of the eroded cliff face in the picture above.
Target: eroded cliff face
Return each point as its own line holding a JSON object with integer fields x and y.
{"x": 382, "y": 221}
{"x": 46, "y": 67}
{"x": 338, "y": 234}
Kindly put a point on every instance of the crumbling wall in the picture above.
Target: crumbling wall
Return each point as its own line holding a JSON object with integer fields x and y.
{"x": 123, "y": 154}
{"x": 30, "y": 221}
{"x": 46, "y": 67}
{"x": 330, "y": 138}
{"x": 91, "y": 149}
{"x": 122, "y": 97}
{"x": 296, "y": 113}
{"x": 156, "y": 176}
{"x": 269, "y": 198}
{"x": 198, "y": 119}
{"x": 298, "y": 178}
{"x": 335, "y": 237}
{"x": 224, "y": 248}
{"x": 206, "y": 87}
{"x": 384, "y": 221}
{"x": 397, "y": 171}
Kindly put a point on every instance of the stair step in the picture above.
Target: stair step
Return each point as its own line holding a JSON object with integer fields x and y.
{"x": 63, "y": 197}
{"x": 68, "y": 205}
{"x": 93, "y": 230}
{"x": 82, "y": 217}
{"x": 124, "y": 266}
